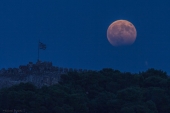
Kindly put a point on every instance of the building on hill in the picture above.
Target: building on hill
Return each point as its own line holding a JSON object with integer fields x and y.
{"x": 40, "y": 73}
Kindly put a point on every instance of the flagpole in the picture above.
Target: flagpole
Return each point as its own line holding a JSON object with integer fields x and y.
{"x": 38, "y": 49}
{"x": 40, "y": 46}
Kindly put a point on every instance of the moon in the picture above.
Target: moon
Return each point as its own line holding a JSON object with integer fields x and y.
{"x": 121, "y": 32}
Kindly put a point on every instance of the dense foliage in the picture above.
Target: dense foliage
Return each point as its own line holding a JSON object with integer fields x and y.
{"x": 105, "y": 91}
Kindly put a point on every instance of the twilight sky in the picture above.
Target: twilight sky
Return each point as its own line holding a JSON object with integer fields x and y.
{"x": 74, "y": 32}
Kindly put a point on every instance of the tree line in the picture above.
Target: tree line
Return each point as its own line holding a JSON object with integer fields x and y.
{"x": 104, "y": 91}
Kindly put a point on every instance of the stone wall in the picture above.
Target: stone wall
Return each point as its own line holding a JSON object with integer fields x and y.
{"x": 40, "y": 73}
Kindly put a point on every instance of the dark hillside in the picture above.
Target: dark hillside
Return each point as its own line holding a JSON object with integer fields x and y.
{"x": 104, "y": 91}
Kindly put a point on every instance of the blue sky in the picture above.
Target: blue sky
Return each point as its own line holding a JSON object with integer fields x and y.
{"x": 75, "y": 33}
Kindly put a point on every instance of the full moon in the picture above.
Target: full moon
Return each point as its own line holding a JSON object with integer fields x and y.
{"x": 121, "y": 32}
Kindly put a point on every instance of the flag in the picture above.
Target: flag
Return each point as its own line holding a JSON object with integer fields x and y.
{"x": 42, "y": 46}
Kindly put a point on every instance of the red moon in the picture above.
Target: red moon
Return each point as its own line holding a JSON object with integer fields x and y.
{"x": 121, "y": 32}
